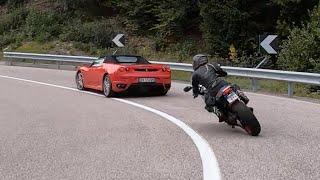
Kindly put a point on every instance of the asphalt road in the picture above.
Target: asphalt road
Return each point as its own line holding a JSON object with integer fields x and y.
{"x": 51, "y": 133}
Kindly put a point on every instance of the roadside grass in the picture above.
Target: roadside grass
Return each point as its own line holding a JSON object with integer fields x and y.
{"x": 264, "y": 86}
{"x": 181, "y": 76}
{"x": 50, "y": 47}
{"x": 35, "y": 47}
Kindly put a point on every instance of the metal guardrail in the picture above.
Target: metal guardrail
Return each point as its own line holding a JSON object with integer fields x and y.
{"x": 47, "y": 57}
{"x": 254, "y": 74}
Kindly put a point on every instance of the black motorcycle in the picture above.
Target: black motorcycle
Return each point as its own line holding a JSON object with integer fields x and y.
{"x": 234, "y": 111}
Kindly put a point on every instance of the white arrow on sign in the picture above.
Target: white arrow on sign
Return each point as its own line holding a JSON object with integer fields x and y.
{"x": 266, "y": 44}
{"x": 116, "y": 40}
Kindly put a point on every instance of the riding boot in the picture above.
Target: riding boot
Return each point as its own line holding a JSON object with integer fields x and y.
{"x": 209, "y": 108}
{"x": 219, "y": 114}
{"x": 222, "y": 118}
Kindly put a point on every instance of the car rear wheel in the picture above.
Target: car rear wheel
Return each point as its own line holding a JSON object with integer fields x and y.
{"x": 107, "y": 86}
{"x": 79, "y": 81}
{"x": 162, "y": 92}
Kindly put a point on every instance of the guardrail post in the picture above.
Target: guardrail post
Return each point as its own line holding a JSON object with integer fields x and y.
{"x": 58, "y": 64}
{"x": 8, "y": 61}
{"x": 290, "y": 89}
{"x": 254, "y": 84}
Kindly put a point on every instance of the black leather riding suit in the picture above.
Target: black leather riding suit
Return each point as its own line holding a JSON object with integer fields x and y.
{"x": 208, "y": 76}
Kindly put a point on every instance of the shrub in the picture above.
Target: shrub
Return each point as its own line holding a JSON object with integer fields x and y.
{"x": 301, "y": 51}
{"x": 13, "y": 20}
{"x": 99, "y": 33}
{"x": 184, "y": 49}
{"x": 43, "y": 26}
{"x": 6, "y": 40}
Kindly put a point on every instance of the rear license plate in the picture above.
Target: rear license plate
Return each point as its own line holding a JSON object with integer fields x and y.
{"x": 147, "y": 80}
{"x": 232, "y": 97}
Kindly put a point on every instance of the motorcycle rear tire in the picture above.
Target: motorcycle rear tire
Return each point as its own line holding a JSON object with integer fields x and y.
{"x": 248, "y": 120}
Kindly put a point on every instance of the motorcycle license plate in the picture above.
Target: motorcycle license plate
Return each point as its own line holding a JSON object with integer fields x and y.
{"x": 147, "y": 80}
{"x": 232, "y": 97}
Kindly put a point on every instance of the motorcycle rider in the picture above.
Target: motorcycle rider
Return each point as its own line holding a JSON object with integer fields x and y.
{"x": 210, "y": 76}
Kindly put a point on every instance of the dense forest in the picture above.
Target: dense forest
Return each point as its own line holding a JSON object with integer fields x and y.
{"x": 176, "y": 28}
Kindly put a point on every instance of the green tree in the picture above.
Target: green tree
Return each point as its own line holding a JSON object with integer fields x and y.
{"x": 292, "y": 13}
{"x": 301, "y": 52}
{"x": 139, "y": 15}
{"x": 176, "y": 18}
{"x": 223, "y": 23}
{"x": 14, "y": 3}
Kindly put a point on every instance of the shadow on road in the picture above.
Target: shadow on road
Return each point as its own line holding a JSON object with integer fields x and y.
{"x": 215, "y": 128}
{"x": 130, "y": 94}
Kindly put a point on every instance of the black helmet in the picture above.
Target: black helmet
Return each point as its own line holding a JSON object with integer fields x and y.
{"x": 199, "y": 60}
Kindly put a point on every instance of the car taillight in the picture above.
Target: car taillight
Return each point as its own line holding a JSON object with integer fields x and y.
{"x": 124, "y": 69}
{"x": 166, "y": 69}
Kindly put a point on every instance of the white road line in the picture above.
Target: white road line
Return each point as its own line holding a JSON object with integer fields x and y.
{"x": 209, "y": 162}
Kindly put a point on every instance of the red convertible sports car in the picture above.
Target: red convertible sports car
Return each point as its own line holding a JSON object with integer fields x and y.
{"x": 120, "y": 73}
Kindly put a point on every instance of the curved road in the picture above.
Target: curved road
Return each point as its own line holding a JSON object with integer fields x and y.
{"x": 51, "y": 133}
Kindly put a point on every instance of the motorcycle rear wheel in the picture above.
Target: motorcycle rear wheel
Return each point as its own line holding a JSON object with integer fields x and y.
{"x": 248, "y": 120}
